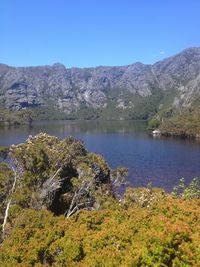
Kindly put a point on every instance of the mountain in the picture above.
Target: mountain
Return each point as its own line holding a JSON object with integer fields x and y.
{"x": 135, "y": 91}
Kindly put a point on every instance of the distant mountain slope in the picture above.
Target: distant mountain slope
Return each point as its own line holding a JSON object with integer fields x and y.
{"x": 135, "y": 91}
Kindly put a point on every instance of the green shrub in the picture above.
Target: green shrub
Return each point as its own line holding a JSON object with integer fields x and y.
{"x": 192, "y": 191}
{"x": 153, "y": 124}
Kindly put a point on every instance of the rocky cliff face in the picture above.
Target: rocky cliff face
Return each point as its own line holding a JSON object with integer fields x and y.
{"x": 69, "y": 90}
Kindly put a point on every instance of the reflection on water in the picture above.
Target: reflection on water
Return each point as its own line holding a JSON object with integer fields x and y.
{"x": 161, "y": 162}
{"x": 93, "y": 127}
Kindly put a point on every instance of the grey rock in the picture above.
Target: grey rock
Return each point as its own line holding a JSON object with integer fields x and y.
{"x": 70, "y": 89}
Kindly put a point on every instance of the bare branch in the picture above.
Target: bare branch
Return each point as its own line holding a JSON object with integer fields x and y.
{"x": 55, "y": 174}
{"x": 75, "y": 209}
{"x": 69, "y": 212}
{"x": 9, "y": 201}
{"x": 75, "y": 206}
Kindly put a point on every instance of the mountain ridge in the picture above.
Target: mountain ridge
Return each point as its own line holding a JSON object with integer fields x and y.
{"x": 117, "y": 89}
{"x": 99, "y": 66}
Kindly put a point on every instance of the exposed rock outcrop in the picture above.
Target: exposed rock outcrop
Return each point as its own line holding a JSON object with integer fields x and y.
{"x": 69, "y": 90}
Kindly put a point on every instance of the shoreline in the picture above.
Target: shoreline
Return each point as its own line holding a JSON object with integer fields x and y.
{"x": 157, "y": 133}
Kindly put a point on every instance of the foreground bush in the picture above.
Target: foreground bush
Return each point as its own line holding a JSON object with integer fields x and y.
{"x": 167, "y": 234}
{"x": 56, "y": 175}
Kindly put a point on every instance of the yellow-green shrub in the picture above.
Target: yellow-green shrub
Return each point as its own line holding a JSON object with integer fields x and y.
{"x": 165, "y": 234}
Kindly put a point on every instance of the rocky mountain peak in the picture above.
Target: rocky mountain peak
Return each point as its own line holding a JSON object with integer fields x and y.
{"x": 58, "y": 66}
{"x": 70, "y": 89}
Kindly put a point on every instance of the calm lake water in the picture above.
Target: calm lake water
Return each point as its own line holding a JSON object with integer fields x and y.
{"x": 159, "y": 161}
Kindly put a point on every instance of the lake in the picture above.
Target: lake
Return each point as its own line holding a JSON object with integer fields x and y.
{"x": 159, "y": 161}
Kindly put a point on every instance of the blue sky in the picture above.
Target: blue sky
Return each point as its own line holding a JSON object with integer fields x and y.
{"x": 84, "y": 33}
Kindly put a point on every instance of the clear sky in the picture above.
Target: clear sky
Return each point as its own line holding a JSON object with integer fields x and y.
{"x": 85, "y": 33}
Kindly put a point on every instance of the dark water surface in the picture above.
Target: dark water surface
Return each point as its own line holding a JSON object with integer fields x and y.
{"x": 161, "y": 162}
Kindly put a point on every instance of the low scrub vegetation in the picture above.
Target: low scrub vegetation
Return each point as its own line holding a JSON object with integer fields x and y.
{"x": 182, "y": 123}
{"x": 8, "y": 117}
{"x": 165, "y": 234}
